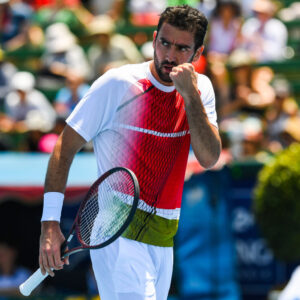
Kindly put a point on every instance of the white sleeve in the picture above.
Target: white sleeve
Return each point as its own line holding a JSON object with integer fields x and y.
{"x": 94, "y": 112}
{"x": 208, "y": 98}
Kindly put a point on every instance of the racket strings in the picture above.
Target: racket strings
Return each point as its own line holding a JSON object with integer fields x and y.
{"x": 106, "y": 209}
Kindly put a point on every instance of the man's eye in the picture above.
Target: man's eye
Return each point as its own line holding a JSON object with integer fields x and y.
{"x": 183, "y": 49}
{"x": 164, "y": 43}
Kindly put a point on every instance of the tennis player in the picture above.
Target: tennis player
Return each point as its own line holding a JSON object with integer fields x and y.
{"x": 143, "y": 117}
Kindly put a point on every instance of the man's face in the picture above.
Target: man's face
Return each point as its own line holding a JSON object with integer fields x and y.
{"x": 172, "y": 47}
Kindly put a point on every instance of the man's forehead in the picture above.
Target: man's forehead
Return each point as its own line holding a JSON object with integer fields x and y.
{"x": 176, "y": 35}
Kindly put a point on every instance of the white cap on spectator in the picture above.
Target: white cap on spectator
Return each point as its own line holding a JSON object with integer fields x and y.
{"x": 101, "y": 24}
{"x": 252, "y": 129}
{"x": 23, "y": 81}
{"x": 264, "y": 6}
{"x": 282, "y": 87}
{"x": 147, "y": 50}
{"x": 59, "y": 38}
{"x": 239, "y": 58}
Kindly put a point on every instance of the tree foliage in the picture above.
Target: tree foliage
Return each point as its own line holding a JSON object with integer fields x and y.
{"x": 277, "y": 203}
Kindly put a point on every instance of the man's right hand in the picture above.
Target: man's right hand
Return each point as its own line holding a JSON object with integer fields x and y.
{"x": 50, "y": 243}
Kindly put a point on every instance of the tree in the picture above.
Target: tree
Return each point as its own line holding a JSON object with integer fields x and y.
{"x": 277, "y": 203}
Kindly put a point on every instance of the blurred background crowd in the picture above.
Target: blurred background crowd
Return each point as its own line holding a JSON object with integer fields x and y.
{"x": 51, "y": 51}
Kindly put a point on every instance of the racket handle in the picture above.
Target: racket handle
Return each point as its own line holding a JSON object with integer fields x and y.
{"x": 32, "y": 282}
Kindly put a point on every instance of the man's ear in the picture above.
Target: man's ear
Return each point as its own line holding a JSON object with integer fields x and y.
{"x": 154, "y": 38}
{"x": 198, "y": 53}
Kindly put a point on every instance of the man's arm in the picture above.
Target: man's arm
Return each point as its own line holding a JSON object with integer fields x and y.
{"x": 205, "y": 139}
{"x": 67, "y": 145}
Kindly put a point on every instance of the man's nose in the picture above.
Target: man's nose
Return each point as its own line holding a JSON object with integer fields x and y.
{"x": 171, "y": 54}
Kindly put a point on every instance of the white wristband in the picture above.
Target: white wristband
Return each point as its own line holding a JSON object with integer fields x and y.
{"x": 53, "y": 202}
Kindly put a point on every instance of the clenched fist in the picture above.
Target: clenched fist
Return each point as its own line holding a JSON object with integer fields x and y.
{"x": 184, "y": 78}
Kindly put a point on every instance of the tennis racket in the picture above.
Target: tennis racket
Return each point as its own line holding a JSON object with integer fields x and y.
{"x": 103, "y": 216}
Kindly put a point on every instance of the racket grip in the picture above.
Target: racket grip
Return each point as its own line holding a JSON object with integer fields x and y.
{"x": 32, "y": 282}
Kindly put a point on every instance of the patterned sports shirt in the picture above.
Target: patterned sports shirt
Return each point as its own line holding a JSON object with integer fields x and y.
{"x": 136, "y": 122}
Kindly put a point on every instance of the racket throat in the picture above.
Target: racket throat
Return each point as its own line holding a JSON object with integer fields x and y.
{"x": 70, "y": 238}
{"x": 64, "y": 246}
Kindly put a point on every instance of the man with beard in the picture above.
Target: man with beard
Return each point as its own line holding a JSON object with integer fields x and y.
{"x": 143, "y": 117}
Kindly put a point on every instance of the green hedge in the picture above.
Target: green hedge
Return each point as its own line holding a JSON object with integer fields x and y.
{"x": 277, "y": 203}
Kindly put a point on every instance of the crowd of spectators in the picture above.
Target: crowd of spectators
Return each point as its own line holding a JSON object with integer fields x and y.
{"x": 52, "y": 50}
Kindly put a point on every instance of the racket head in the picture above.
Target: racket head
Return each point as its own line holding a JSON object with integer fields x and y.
{"x": 108, "y": 208}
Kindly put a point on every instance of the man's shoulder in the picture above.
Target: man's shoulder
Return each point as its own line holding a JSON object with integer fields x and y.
{"x": 203, "y": 80}
{"x": 206, "y": 88}
{"x": 138, "y": 70}
{"x": 129, "y": 73}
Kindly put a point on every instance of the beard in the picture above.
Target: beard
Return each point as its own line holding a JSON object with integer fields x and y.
{"x": 159, "y": 67}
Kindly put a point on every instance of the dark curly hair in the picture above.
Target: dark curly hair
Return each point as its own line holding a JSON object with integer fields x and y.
{"x": 187, "y": 18}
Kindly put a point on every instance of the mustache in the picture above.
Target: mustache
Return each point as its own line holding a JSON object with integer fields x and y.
{"x": 165, "y": 62}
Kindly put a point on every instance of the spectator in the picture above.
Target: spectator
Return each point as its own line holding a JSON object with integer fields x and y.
{"x": 245, "y": 137}
{"x": 109, "y": 49}
{"x": 112, "y": 8}
{"x": 27, "y": 55}
{"x": 246, "y": 6}
{"x": 6, "y": 72}
{"x": 145, "y": 13}
{"x": 207, "y": 7}
{"x": 147, "y": 50}
{"x": 251, "y": 92}
{"x": 225, "y": 26}
{"x": 11, "y": 275}
{"x": 62, "y": 55}
{"x": 253, "y": 139}
{"x": 68, "y": 96}
{"x": 26, "y": 107}
{"x": 72, "y": 13}
{"x": 251, "y": 96}
{"x": 14, "y": 21}
{"x": 282, "y": 118}
{"x": 264, "y": 36}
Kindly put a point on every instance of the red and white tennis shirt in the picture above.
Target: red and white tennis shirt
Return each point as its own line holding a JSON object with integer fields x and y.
{"x": 136, "y": 122}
